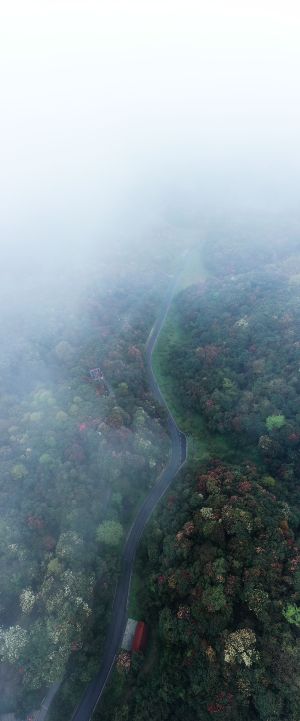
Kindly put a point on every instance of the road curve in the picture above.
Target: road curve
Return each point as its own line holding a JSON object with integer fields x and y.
{"x": 177, "y": 458}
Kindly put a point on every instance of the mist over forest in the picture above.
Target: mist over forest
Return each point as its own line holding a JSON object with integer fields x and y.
{"x": 149, "y": 361}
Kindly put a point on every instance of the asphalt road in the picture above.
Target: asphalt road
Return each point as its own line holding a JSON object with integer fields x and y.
{"x": 177, "y": 458}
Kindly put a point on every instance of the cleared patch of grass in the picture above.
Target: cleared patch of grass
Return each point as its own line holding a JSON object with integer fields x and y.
{"x": 193, "y": 271}
{"x": 190, "y": 422}
{"x": 133, "y": 602}
{"x": 170, "y": 337}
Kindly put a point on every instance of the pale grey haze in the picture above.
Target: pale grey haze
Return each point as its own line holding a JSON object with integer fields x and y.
{"x": 131, "y": 131}
{"x": 116, "y": 114}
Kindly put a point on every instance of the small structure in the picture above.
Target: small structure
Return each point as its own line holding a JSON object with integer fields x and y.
{"x": 140, "y": 637}
{"x": 96, "y": 374}
{"x": 135, "y": 636}
{"x": 103, "y": 387}
{"x": 129, "y": 634}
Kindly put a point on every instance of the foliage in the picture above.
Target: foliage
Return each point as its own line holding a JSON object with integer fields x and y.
{"x": 292, "y": 614}
{"x": 110, "y": 533}
{"x": 236, "y": 366}
{"x": 239, "y": 647}
{"x": 275, "y": 422}
{"x": 220, "y": 561}
{"x": 76, "y": 457}
{"x": 216, "y": 577}
{"x": 219, "y": 567}
{"x": 12, "y": 643}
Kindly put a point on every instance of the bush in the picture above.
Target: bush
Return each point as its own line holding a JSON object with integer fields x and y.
{"x": 275, "y": 422}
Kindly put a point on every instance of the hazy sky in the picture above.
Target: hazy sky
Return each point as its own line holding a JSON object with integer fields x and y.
{"x": 109, "y": 107}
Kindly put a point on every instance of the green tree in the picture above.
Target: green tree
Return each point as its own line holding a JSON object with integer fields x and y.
{"x": 292, "y": 614}
{"x": 13, "y": 641}
{"x": 214, "y": 598}
{"x": 275, "y": 422}
{"x": 110, "y": 533}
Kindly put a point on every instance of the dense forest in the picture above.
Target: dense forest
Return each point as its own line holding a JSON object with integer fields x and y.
{"x": 220, "y": 562}
{"x": 239, "y": 365}
{"x": 217, "y": 578}
{"x": 77, "y": 457}
{"x": 222, "y": 587}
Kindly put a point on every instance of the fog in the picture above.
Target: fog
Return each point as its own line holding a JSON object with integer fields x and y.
{"x": 112, "y": 110}
{"x": 119, "y": 119}
{"x": 122, "y": 120}
{"x": 133, "y": 133}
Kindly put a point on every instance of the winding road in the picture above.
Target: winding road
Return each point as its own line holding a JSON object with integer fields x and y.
{"x": 177, "y": 458}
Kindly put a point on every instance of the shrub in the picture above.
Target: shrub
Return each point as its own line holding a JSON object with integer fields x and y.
{"x": 275, "y": 422}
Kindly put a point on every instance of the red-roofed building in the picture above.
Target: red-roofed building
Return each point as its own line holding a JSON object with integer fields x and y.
{"x": 140, "y": 637}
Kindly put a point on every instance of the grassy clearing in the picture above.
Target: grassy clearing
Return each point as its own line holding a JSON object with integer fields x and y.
{"x": 191, "y": 422}
{"x": 133, "y": 603}
{"x": 170, "y": 337}
{"x": 193, "y": 271}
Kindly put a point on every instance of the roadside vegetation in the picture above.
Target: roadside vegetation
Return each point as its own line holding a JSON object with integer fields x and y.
{"x": 77, "y": 457}
{"x": 221, "y": 558}
{"x": 217, "y": 577}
